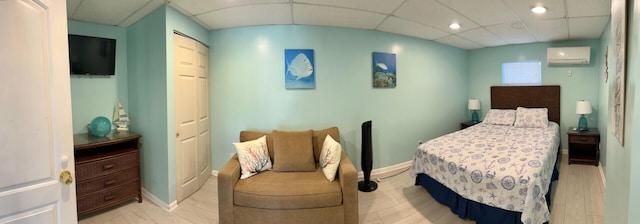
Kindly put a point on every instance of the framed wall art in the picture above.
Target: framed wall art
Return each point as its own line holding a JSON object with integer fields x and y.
{"x": 299, "y": 70}
{"x": 383, "y": 70}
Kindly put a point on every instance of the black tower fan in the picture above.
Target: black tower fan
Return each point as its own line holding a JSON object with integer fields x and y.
{"x": 367, "y": 160}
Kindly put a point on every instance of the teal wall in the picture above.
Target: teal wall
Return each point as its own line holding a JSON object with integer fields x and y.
{"x": 485, "y": 71}
{"x": 93, "y": 95}
{"x": 622, "y": 197}
{"x": 151, "y": 94}
{"x": 247, "y": 88}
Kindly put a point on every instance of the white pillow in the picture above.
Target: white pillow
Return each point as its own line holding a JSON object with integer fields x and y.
{"x": 330, "y": 157}
{"x": 500, "y": 117}
{"x": 531, "y": 117}
{"x": 253, "y": 156}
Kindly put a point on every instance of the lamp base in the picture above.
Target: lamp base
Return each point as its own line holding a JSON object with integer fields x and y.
{"x": 474, "y": 116}
{"x": 367, "y": 187}
{"x": 582, "y": 124}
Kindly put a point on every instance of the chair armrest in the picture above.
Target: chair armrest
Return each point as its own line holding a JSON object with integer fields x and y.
{"x": 348, "y": 177}
{"x": 228, "y": 176}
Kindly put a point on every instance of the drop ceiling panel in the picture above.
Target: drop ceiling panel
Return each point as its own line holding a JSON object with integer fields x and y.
{"x": 579, "y": 8}
{"x": 381, "y": 6}
{"x": 514, "y": 33}
{"x": 433, "y": 14}
{"x": 400, "y": 26}
{"x": 482, "y": 12}
{"x": 142, "y": 12}
{"x": 332, "y": 16}
{"x": 549, "y": 29}
{"x": 522, "y": 8}
{"x": 459, "y": 42}
{"x": 111, "y": 12}
{"x": 72, "y": 5}
{"x": 587, "y": 27}
{"x": 482, "y": 36}
{"x": 250, "y": 15}
{"x": 197, "y": 7}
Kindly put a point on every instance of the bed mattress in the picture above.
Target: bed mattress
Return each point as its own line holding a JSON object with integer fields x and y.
{"x": 500, "y": 166}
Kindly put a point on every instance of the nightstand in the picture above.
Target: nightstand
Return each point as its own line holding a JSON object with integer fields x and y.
{"x": 584, "y": 147}
{"x": 467, "y": 124}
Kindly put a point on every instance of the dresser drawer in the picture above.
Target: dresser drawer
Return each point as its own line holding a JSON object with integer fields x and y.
{"x": 583, "y": 139}
{"x": 107, "y": 182}
{"x": 110, "y": 165}
{"x": 108, "y": 198}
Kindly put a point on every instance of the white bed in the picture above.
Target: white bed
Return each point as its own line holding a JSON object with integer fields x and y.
{"x": 501, "y": 166}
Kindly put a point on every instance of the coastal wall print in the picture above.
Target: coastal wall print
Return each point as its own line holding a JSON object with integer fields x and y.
{"x": 617, "y": 87}
{"x": 299, "y": 70}
{"x": 384, "y": 70}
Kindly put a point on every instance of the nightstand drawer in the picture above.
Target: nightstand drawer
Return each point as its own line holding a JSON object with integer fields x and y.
{"x": 107, "y": 182}
{"x": 115, "y": 164}
{"x": 583, "y": 139}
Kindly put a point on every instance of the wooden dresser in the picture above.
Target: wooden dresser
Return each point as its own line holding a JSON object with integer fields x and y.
{"x": 107, "y": 170}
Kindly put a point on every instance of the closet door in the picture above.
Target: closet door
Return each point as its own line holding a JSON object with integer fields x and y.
{"x": 191, "y": 95}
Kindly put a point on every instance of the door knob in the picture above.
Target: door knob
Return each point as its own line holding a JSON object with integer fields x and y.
{"x": 65, "y": 177}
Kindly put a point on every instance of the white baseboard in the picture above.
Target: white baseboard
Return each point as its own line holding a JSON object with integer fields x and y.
{"x": 565, "y": 151}
{"x": 602, "y": 177}
{"x": 386, "y": 171}
{"x": 157, "y": 201}
{"x": 214, "y": 173}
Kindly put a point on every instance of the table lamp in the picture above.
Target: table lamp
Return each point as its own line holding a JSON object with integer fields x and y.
{"x": 474, "y": 106}
{"x": 583, "y": 107}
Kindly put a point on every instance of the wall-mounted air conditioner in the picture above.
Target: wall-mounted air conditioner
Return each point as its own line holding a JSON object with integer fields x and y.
{"x": 568, "y": 55}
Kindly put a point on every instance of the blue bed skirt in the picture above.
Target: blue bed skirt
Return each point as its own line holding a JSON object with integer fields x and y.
{"x": 481, "y": 213}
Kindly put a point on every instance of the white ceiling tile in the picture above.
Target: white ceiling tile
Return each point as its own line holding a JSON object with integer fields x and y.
{"x": 142, "y": 12}
{"x": 512, "y": 33}
{"x": 549, "y": 29}
{"x": 400, "y": 26}
{"x": 250, "y": 15}
{"x": 110, "y": 12}
{"x": 587, "y": 27}
{"x": 459, "y": 42}
{"x": 482, "y": 36}
{"x": 72, "y": 5}
{"x": 522, "y": 8}
{"x": 486, "y": 12}
{"x": 197, "y": 7}
{"x": 381, "y": 6}
{"x": 579, "y": 8}
{"x": 433, "y": 14}
{"x": 332, "y": 16}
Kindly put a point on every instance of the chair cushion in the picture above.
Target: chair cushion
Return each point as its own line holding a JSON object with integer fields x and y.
{"x": 287, "y": 190}
{"x": 293, "y": 151}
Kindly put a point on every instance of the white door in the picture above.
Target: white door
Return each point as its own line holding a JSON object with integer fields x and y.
{"x": 36, "y": 139}
{"x": 191, "y": 116}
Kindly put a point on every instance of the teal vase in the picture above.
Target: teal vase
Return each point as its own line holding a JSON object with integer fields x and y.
{"x": 100, "y": 126}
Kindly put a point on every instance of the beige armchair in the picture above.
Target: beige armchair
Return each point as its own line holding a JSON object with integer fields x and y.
{"x": 288, "y": 197}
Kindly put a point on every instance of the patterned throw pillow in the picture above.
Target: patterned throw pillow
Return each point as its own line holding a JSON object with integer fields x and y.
{"x": 253, "y": 156}
{"x": 500, "y": 117}
{"x": 330, "y": 157}
{"x": 531, "y": 117}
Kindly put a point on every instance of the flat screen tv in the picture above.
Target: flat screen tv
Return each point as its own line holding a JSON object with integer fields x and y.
{"x": 92, "y": 55}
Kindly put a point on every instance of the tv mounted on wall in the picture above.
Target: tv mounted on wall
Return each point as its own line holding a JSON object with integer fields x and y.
{"x": 92, "y": 55}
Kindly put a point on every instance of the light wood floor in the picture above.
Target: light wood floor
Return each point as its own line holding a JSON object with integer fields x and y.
{"x": 578, "y": 198}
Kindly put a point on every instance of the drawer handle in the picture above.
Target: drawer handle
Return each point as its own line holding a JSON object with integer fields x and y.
{"x": 108, "y": 183}
{"x": 109, "y": 197}
{"x": 108, "y": 166}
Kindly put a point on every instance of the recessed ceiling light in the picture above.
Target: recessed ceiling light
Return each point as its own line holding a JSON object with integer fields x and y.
{"x": 539, "y": 9}
{"x": 454, "y": 26}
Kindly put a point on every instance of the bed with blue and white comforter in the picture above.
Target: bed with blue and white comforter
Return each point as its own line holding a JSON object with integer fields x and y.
{"x": 501, "y": 166}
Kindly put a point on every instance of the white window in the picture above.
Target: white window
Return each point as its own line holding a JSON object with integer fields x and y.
{"x": 522, "y": 73}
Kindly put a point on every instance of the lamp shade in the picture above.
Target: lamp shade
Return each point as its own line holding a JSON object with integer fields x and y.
{"x": 583, "y": 107}
{"x": 474, "y": 104}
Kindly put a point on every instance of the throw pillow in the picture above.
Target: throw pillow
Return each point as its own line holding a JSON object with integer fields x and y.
{"x": 330, "y": 157}
{"x": 253, "y": 156}
{"x": 500, "y": 117}
{"x": 293, "y": 151}
{"x": 531, "y": 117}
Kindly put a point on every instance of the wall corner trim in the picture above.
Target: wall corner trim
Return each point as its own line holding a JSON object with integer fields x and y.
{"x": 152, "y": 198}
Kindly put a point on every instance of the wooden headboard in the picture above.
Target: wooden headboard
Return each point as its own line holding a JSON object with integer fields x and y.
{"x": 511, "y": 97}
